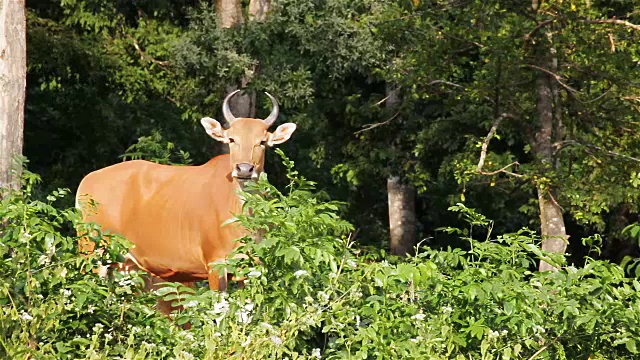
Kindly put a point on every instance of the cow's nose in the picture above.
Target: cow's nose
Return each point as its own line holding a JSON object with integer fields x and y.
{"x": 244, "y": 170}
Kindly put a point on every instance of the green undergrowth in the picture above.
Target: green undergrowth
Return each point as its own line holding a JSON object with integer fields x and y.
{"x": 314, "y": 294}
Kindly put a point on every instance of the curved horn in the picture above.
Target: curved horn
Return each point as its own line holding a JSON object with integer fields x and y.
{"x": 228, "y": 116}
{"x": 275, "y": 110}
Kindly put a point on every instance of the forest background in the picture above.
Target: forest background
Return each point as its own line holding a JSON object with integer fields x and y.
{"x": 410, "y": 112}
{"x": 523, "y": 111}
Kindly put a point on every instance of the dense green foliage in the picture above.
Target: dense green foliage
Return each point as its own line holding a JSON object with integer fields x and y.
{"x": 117, "y": 80}
{"x": 53, "y": 306}
{"x": 110, "y": 73}
{"x": 314, "y": 295}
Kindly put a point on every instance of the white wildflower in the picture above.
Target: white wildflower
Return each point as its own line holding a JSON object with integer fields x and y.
{"x": 308, "y": 320}
{"x": 539, "y": 329}
{"x": 300, "y": 273}
{"x": 323, "y": 297}
{"x": 185, "y": 355}
{"x": 504, "y": 332}
{"x": 125, "y": 282}
{"x": 351, "y": 263}
{"x": 254, "y": 274}
{"x": 148, "y": 346}
{"x": 25, "y": 316}
{"x": 276, "y": 340}
{"x": 246, "y": 342}
{"x": 91, "y": 309}
{"x": 419, "y": 316}
{"x": 244, "y": 314}
{"x": 447, "y": 309}
{"x": 43, "y": 260}
{"x": 316, "y": 353}
{"x": 493, "y": 334}
{"x": 98, "y": 327}
{"x": 221, "y": 307}
{"x": 191, "y": 303}
{"x": 66, "y": 292}
{"x": 308, "y": 300}
{"x": 333, "y": 275}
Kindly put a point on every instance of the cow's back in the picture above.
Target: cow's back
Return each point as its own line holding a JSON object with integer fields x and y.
{"x": 111, "y": 185}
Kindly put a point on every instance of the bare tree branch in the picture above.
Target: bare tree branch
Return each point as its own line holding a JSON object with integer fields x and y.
{"x": 485, "y": 143}
{"x": 615, "y": 22}
{"x": 503, "y": 170}
{"x": 383, "y": 100}
{"x": 555, "y": 76}
{"x": 144, "y": 55}
{"x": 562, "y": 144}
{"x": 613, "y": 44}
{"x": 542, "y": 349}
{"x": 434, "y": 82}
{"x": 537, "y": 28}
{"x": 597, "y": 98}
{"x": 367, "y": 127}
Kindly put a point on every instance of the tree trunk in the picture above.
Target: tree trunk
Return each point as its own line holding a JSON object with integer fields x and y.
{"x": 401, "y": 197}
{"x": 258, "y": 9}
{"x": 243, "y": 104}
{"x": 13, "y": 79}
{"x": 554, "y": 234}
{"x": 552, "y": 229}
{"x": 229, "y": 15}
{"x": 402, "y": 216}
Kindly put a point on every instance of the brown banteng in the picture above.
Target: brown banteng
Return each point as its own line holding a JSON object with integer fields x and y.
{"x": 174, "y": 215}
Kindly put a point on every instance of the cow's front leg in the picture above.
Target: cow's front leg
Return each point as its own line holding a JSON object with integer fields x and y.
{"x": 216, "y": 281}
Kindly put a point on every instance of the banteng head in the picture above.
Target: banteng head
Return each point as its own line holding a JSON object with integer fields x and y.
{"x": 248, "y": 138}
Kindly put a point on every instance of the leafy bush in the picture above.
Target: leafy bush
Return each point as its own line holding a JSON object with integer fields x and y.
{"x": 52, "y": 305}
{"x": 312, "y": 294}
{"x": 154, "y": 148}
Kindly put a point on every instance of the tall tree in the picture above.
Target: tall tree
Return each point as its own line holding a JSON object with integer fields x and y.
{"x": 230, "y": 15}
{"x": 549, "y": 131}
{"x": 258, "y": 9}
{"x": 13, "y": 75}
{"x": 401, "y": 197}
{"x": 559, "y": 74}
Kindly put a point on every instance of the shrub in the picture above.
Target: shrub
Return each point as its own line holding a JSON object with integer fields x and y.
{"x": 313, "y": 294}
{"x": 52, "y": 306}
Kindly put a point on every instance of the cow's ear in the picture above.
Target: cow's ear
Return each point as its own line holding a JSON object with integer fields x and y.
{"x": 282, "y": 134}
{"x": 214, "y": 129}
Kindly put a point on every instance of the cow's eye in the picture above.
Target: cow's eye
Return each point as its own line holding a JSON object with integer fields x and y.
{"x": 232, "y": 140}
{"x": 263, "y": 142}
